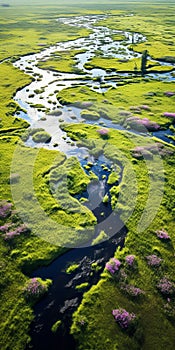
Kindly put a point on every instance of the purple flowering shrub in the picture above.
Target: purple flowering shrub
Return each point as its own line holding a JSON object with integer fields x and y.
{"x": 145, "y": 107}
{"x": 153, "y": 260}
{"x": 113, "y": 265}
{"x": 104, "y": 133}
{"x": 123, "y": 317}
{"x": 165, "y": 286}
{"x": 169, "y": 114}
{"x": 163, "y": 235}
{"x": 16, "y": 232}
{"x": 132, "y": 290}
{"x": 130, "y": 259}
{"x": 11, "y": 230}
{"x": 140, "y": 151}
{"x": 169, "y": 93}
{"x": 143, "y": 124}
{"x": 35, "y": 288}
{"x": 12, "y": 225}
{"x": 5, "y": 209}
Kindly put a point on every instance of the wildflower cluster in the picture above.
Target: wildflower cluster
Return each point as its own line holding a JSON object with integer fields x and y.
{"x": 10, "y": 230}
{"x": 103, "y": 132}
{"x": 35, "y": 288}
{"x": 140, "y": 151}
{"x": 153, "y": 260}
{"x": 123, "y": 317}
{"x": 166, "y": 286}
{"x": 135, "y": 122}
{"x": 132, "y": 290}
{"x": 145, "y": 107}
{"x": 162, "y": 234}
{"x": 130, "y": 260}
{"x": 169, "y": 93}
{"x": 5, "y": 209}
{"x": 113, "y": 265}
{"x": 4, "y": 228}
{"x": 16, "y": 232}
{"x": 169, "y": 114}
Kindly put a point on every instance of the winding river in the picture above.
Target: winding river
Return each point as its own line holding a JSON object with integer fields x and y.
{"x": 63, "y": 298}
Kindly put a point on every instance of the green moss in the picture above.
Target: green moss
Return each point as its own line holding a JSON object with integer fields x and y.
{"x": 82, "y": 286}
{"x": 100, "y": 238}
{"x": 92, "y": 176}
{"x": 114, "y": 191}
{"x": 56, "y": 326}
{"x": 106, "y": 199}
{"x": 41, "y": 136}
{"x": 92, "y": 115}
{"x": 95, "y": 266}
{"x": 113, "y": 177}
{"x": 62, "y": 61}
{"x": 72, "y": 268}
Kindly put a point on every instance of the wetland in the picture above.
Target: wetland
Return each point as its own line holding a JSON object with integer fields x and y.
{"x": 87, "y": 163}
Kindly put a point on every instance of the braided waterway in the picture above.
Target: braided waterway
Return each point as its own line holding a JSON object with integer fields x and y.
{"x": 63, "y": 297}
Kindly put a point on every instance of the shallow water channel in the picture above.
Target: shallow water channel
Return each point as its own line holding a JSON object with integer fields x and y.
{"x": 63, "y": 297}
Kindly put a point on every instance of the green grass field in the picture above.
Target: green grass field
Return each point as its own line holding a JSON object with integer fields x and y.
{"x": 27, "y": 28}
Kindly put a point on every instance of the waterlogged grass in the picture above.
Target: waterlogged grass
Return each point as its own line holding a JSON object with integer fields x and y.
{"x": 72, "y": 268}
{"x": 119, "y": 65}
{"x": 20, "y": 36}
{"x": 156, "y": 24}
{"x": 12, "y": 79}
{"x": 126, "y": 101}
{"x": 62, "y": 61}
{"x": 141, "y": 242}
{"x": 56, "y": 326}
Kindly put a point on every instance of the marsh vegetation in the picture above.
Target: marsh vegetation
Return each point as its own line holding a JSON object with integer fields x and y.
{"x": 87, "y": 159}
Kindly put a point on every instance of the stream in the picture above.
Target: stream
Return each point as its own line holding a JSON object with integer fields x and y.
{"x": 63, "y": 297}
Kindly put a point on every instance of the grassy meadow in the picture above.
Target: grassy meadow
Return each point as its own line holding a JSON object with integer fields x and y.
{"x": 27, "y": 28}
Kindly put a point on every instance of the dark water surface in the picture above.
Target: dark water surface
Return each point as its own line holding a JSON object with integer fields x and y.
{"x": 63, "y": 298}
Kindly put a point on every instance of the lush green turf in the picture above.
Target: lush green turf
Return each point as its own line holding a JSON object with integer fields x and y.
{"x": 118, "y": 65}
{"x": 126, "y": 98}
{"x": 62, "y": 61}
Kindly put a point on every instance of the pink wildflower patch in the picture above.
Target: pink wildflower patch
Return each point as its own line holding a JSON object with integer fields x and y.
{"x": 132, "y": 290}
{"x": 169, "y": 114}
{"x": 35, "y": 288}
{"x": 123, "y": 317}
{"x": 113, "y": 265}
{"x": 162, "y": 234}
{"x": 169, "y": 93}
{"x": 5, "y": 209}
{"x": 149, "y": 125}
{"x": 153, "y": 260}
{"x": 166, "y": 286}
{"x": 130, "y": 259}
{"x": 103, "y": 131}
{"x": 145, "y": 107}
